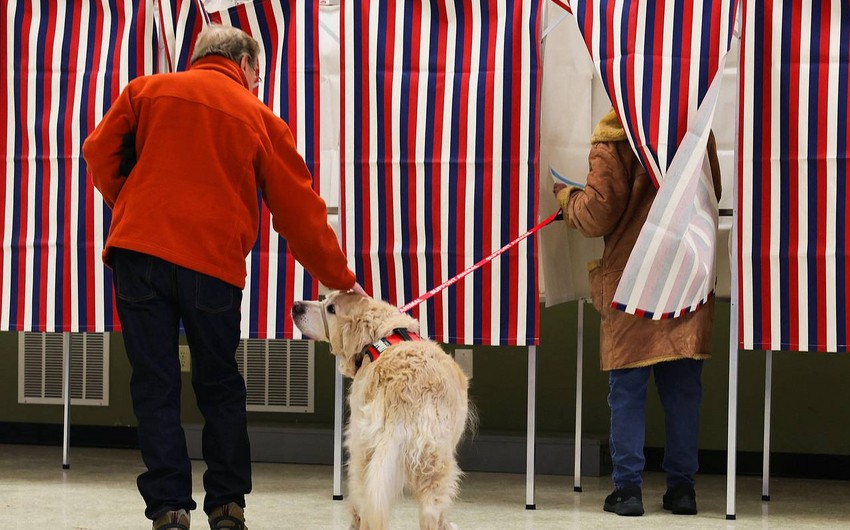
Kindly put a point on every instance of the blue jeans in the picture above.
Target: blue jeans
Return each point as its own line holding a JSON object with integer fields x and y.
{"x": 680, "y": 390}
{"x": 152, "y": 297}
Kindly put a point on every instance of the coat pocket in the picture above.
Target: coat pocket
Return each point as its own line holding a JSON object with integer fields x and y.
{"x": 594, "y": 272}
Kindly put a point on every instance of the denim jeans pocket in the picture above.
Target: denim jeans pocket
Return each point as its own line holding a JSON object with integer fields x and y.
{"x": 132, "y": 271}
{"x": 213, "y": 295}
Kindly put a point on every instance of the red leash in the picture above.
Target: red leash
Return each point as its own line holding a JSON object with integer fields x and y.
{"x": 410, "y": 305}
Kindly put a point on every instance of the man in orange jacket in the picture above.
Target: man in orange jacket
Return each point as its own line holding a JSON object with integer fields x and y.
{"x": 180, "y": 159}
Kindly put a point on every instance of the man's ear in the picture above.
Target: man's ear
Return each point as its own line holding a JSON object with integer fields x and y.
{"x": 245, "y": 65}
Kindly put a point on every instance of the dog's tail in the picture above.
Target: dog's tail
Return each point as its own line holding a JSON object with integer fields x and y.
{"x": 384, "y": 480}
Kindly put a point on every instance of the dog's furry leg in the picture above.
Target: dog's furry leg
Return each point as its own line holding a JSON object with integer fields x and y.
{"x": 383, "y": 482}
{"x": 435, "y": 491}
{"x": 355, "y": 470}
{"x": 355, "y": 520}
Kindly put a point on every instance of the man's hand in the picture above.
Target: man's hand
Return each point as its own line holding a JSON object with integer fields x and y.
{"x": 359, "y": 290}
{"x": 557, "y": 187}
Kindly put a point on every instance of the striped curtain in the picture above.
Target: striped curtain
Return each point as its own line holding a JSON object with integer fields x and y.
{"x": 63, "y": 64}
{"x": 659, "y": 61}
{"x": 178, "y": 23}
{"x": 793, "y": 196}
{"x": 440, "y": 160}
{"x": 288, "y": 34}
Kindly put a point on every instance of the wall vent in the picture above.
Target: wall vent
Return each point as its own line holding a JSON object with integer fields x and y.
{"x": 41, "y": 367}
{"x": 278, "y": 374}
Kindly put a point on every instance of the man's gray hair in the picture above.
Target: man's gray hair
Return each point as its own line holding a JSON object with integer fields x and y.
{"x": 226, "y": 41}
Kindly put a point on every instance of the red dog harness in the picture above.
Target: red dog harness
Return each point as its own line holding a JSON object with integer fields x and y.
{"x": 374, "y": 350}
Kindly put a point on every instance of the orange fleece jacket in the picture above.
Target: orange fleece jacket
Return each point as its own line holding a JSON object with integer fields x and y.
{"x": 206, "y": 146}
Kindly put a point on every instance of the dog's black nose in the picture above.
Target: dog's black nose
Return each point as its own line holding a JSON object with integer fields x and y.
{"x": 298, "y": 308}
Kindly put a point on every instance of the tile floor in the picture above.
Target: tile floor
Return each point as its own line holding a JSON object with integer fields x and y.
{"x": 99, "y": 492}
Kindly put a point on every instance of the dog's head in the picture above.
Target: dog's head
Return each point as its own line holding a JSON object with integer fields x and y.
{"x": 349, "y": 322}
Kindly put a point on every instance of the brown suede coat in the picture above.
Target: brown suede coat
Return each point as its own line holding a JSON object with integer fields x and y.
{"x": 614, "y": 205}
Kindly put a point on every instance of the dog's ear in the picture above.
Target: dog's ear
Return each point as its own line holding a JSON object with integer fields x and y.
{"x": 362, "y": 323}
{"x": 356, "y": 332}
{"x": 348, "y": 365}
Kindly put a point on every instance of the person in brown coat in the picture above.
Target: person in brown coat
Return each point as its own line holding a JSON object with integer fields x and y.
{"x": 614, "y": 205}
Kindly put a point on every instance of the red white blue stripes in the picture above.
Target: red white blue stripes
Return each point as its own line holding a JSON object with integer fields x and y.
{"x": 289, "y": 64}
{"x": 440, "y": 159}
{"x": 55, "y": 222}
{"x": 64, "y": 63}
{"x": 178, "y": 23}
{"x": 793, "y": 196}
{"x": 659, "y": 62}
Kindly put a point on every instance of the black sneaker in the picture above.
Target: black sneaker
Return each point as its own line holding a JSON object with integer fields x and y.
{"x": 625, "y": 501}
{"x": 681, "y": 500}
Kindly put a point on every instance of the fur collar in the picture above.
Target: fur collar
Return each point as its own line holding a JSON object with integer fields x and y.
{"x": 608, "y": 129}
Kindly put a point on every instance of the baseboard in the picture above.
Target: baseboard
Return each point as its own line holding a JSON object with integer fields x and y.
{"x": 503, "y": 453}
{"x": 80, "y": 435}
{"x": 553, "y": 455}
{"x": 484, "y": 452}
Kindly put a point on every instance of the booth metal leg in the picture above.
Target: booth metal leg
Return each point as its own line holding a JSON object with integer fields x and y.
{"x": 768, "y": 388}
{"x": 731, "y": 442}
{"x": 339, "y": 412}
{"x": 579, "y": 368}
{"x": 529, "y": 462}
{"x": 66, "y": 394}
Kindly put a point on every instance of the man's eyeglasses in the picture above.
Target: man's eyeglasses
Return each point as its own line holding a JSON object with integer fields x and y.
{"x": 256, "y": 69}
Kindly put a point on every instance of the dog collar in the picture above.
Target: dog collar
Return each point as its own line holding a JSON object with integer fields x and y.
{"x": 374, "y": 350}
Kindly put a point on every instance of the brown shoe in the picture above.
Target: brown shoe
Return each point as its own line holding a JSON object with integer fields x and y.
{"x": 173, "y": 520}
{"x": 231, "y": 516}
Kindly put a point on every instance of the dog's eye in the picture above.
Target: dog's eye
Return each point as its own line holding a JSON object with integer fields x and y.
{"x": 331, "y": 309}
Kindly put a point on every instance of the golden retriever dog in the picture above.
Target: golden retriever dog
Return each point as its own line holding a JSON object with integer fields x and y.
{"x": 408, "y": 403}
